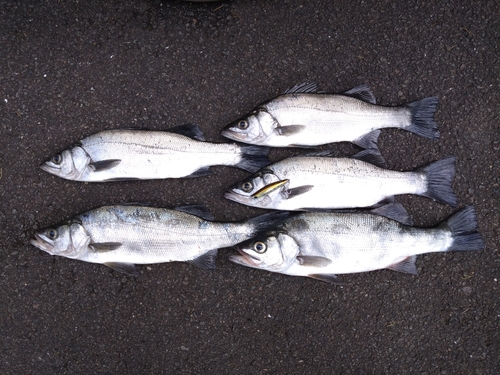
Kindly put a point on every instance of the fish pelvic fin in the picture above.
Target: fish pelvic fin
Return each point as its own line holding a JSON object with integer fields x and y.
{"x": 253, "y": 158}
{"x": 439, "y": 178}
{"x": 464, "y": 232}
{"x": 327, "y": 278}
{"x": 422, "y": 118}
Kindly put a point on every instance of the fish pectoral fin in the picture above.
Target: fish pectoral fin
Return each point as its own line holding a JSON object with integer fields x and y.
{"x": 362, "y": 92}
{"x": 104, "y": 246}
{"x": 327, "y": 278}
{"x": 296, "y": 191}
{"x": 289, "y": 129}
{"x": 205, "y": 261}
{"x": 313, "y": 261}
{"x": 197, "y": 210}
{"x": 128, "y": 268}
{"x": 98, "y": 166}
{"x": 407, "y": 265}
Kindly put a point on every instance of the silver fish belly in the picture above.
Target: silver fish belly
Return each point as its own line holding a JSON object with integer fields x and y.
{"x": 139, "y": 154}
{"x": 301, "y": 117}
{"x": 307, "y": 183}
{"x": 323, "y": 245}
{"x": 121, "y": 236}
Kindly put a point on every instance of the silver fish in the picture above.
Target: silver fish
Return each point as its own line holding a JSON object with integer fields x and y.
{"x": 323, "y": 245}
{"x": 301, "y": 117}
{"x": 122, "y": 236}
{"x": 307, "y": 183}
{"x": 115, "y": 155}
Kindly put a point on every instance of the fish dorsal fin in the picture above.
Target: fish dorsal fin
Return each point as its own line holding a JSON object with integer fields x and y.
{"x": 407, "y": 265}
{"x": 369, "y": 140}
{"x": 196, "y": 210}
{"x": 371, "y": 156}
{"x": 189, "y": 130}
{"x": 99, "y": 166}
{"x": 362, "y": 92}
{"x": 322, "y": 153}
{"x": 394, "y": 211}
{"x": 205, "y": 261}
{"x": 128, "y": 268}
{"x": 305, "y": 87}
{"x": 104, "y": 247}
{"x": 327, "y": 278}
{"x": 313, "y": 261}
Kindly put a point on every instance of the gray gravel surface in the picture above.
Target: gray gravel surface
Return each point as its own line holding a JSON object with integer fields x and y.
{"x": 72, "y": 68}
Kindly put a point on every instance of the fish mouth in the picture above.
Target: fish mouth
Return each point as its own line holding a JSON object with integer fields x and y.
{"x": 49, "y": 168}
{"x": 240, "y": 257}
{"x": 236, "y": 197}
{"x": 40, "y": 243}
{"x": 231, "y": 134}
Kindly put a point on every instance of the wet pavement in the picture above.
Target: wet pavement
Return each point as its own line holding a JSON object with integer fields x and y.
{"x": 69, "y": 69}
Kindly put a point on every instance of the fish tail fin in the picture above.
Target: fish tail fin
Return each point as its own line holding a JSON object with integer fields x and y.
{"x": 267, "y": 221}
{"x": 422, "y": 118}
{"x": 253, "y": 158}
{"x": 439, "y": 178}
{"x": 464, "y": 232}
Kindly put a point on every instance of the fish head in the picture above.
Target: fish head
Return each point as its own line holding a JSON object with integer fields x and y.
{"x": 254, "y": 128}
{"x": 70, "y": 164}
{"x": 260, "y": 190}
{"x": 68, "y": 239}
{"x": 272, "y": 251}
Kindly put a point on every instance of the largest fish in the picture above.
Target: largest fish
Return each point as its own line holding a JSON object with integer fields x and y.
{"x": 122, "y": 236}
{"x": 113, "y": 155}
{"x": 323, "y": 245}
{"x": 302, "y": 117}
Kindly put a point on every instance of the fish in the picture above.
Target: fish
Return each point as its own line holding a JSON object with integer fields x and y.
{"x": 132, "y": 154}
{"x": 302, "y": 117}
{"x": 315, "y": 181}
{"x": 323, "y": 245}
{"x": 122, "y": 236}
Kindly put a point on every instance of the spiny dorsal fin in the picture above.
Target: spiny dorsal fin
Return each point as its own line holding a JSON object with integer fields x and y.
{"x": 198, "y": 210}
{"x": 305, "y": 87}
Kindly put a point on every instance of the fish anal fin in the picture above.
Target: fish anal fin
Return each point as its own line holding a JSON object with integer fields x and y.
{"x": 128, "y": 268}
{"x": 313, "y": 261}
{"x": 289, "y": 129}
{"x": 327, "y": 278}
{"x": 296, "y": 191}
{"x": 407, "y": 265}
{"x": 394, "y": 211}
{"x": 368, "y": 140}
{"x": 103, "y": 247}
{"x": 102, "y": 165}
{"x": 205, "y": 261}
{"x": 204, "y": 171}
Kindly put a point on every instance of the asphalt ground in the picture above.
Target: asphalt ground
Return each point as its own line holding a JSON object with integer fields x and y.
{"x": 69, "y": 69}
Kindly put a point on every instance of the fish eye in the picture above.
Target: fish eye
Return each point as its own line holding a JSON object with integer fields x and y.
{"x": 52, "y": 233}
{"x": 260, "y": 247}
{"x": 247, "y": 186}
{"x": 243, "y": 124}
{"x": 57, "y": 159}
